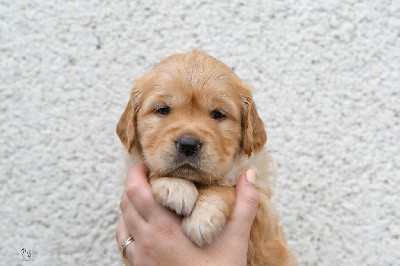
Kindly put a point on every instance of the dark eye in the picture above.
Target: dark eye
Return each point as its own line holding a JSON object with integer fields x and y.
{"x": 163, "y": 110}
{"x": 215, "y": 114}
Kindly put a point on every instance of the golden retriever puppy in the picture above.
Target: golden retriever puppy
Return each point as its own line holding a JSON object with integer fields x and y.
{"x": 193, "y": 122}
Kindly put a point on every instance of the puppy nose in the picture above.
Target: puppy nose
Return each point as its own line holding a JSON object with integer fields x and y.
{"x": 188, "y": 146}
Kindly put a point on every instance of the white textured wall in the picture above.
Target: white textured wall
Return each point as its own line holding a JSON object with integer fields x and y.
{"x": 326, "y": 78}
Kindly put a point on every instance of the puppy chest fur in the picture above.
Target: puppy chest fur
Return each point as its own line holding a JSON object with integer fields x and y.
{"x": 194, "y": 124}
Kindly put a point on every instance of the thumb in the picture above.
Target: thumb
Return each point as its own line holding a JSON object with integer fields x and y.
{"x": 246, "y": 205}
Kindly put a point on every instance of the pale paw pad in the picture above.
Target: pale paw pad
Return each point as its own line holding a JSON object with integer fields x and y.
{"x": 203, "y": 224}
{"x": 177, "y": 194}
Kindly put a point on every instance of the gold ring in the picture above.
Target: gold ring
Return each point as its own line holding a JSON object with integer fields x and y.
{"x": 124, "y": 245}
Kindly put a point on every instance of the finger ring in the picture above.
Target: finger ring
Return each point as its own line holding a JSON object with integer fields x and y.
{"x": 124, "y": 245}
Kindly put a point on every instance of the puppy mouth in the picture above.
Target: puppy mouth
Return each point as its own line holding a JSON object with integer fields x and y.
{"x": 187, "y": 169}
{"x": 187, "y": 166}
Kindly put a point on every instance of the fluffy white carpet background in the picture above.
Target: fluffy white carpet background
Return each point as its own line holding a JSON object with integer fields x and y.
{"x": 326, "y": 79}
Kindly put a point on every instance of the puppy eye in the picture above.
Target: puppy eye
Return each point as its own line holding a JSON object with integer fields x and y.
{"x": 215, "y": 114}
{"x": 163, "y": 110}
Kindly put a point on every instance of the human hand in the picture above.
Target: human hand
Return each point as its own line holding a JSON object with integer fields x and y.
{"x": 157, "y": 233}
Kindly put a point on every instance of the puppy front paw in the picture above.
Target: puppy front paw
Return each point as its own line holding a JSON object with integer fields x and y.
{"x": 177, "y": 194}
{"x": 204, "y": 223}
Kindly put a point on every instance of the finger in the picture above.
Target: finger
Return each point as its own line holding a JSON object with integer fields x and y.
{"x": 121, "y": 235}
{"x": 139, "y": 169}
{"x": 133, "y": 222}
{"x": 246, "y": 205}
{"x": 130, "y": 253}
{"x": 139, "y": 193}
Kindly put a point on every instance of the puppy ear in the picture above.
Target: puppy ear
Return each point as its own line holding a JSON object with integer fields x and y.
{"x": 126, "y": 127}
{"x": 254, "y": 135}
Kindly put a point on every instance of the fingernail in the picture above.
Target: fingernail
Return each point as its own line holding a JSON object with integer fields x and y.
{"x": 251, "y": 176}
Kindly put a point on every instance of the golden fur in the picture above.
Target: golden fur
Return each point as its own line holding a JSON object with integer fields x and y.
{"x": 191, "y": 86}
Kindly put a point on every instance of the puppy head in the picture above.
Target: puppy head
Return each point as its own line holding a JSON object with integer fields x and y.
{"x": 190, "y": 117}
